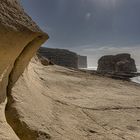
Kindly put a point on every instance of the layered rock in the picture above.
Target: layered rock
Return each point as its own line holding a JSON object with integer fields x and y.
{"x": 49, "y": 102}
{"x": 82, "y": 61}
{"x": 43, "y": 60}
{"x": 121, "y": 63}
{"x": 57, "y": 103}
{"x": 20, "y": 38}
{"x": 60, "y": 57}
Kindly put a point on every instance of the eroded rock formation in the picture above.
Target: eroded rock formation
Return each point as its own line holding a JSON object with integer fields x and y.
{"x": 43, "y": 60}
{"x": 20, "y": 37}
{"x": 53, "y": 102}
{"x": 60, "y": 57}
{"x": 121, "y": 63}
{"x": 57, "y": 103}
{"x": 82, "y": 61}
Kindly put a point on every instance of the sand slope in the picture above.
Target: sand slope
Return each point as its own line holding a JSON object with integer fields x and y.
{"x": 53, "y": 102}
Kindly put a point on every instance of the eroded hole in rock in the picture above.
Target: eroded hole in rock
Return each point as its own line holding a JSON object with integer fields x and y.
{"x": 92, "y": 131}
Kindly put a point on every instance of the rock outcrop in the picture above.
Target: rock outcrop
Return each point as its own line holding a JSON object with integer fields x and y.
{"x": 20, "y": 38}
{"x": 57, "y": 103}
{"x": 121, "y": 63}
{"x": 43, "y": 60}
{"x": 82, "y": 61}
{"x": 60, "y": 57}
{"x": 40, "y": 102}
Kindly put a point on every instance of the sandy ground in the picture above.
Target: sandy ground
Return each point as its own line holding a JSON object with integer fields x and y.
{"x": 53, "y": 102}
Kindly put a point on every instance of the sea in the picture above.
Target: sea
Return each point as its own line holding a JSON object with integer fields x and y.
{"x": 135, "y": 79}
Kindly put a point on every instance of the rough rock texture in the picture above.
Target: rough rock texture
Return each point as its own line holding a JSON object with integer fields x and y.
{"x": 60, "y": 57}
{"x": 52, "y": 102}
{"x": 43, "y": 60}
{"x": 119, "y": 63}
{"x": 57, "y": 103}
{"x": 82, "y": 61}
{"x": 20, "y": 37}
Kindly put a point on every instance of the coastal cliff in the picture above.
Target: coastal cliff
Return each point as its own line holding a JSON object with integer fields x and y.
{"x": 43, "y": 101}
{"x": 19, "y": 41}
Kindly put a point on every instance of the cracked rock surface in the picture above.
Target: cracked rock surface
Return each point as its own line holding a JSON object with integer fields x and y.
{"x": 56, "y": 103}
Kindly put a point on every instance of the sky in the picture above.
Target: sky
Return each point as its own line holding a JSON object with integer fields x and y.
{"x": 89, "y": 27}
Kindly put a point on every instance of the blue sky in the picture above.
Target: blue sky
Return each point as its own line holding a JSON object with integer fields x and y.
{"x": 89, "y": 27}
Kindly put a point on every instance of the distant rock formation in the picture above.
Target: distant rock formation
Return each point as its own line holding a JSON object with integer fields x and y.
{"x": 120, "y": 63}
{"x": 82, "y": 61}
{"x": 63, "y": 57}
{"x": 60, "y": 57}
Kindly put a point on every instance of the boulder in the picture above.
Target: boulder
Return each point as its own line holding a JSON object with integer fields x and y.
{"x": 120, "y": 63}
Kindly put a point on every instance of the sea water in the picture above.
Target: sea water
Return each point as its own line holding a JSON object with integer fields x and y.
{"x": 136, "y": 79}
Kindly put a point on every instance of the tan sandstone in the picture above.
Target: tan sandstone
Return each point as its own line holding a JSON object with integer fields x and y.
{"x": 56, "y": 103}
{"x": 20, "y": 38}
{"x": 53, "y": 102}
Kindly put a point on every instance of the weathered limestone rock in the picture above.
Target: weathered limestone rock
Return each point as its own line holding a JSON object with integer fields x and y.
{"x": 60, "y": 57}
{"x": 20, "y": 37}
{"x": 43, "y": 60}
{"x": 57, "y": 103}
{"x": 121, "y": 63}
{"x": 82, "y": 61}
